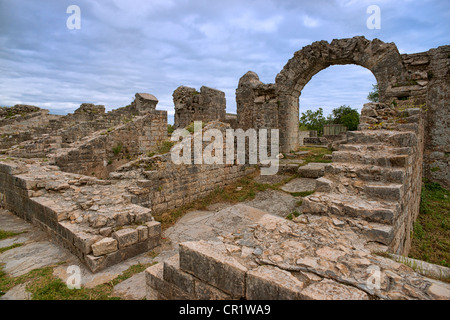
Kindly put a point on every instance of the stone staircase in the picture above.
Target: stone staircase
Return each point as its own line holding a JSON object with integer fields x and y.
{"x": 369, "y": 185}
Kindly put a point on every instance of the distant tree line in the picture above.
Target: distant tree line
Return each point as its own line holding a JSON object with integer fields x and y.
{"x": 345, "y": 115}
{"x": 315, "y": 120}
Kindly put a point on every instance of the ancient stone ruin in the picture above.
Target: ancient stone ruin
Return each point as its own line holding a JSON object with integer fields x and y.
{"x": 94, "y": 180}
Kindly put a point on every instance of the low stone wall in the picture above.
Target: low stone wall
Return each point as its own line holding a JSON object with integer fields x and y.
{"x": 177, "y": 185}
{"x": 94, "y": 219}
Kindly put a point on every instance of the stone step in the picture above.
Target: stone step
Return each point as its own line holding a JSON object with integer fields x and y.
{"x": 356, "y": 187}
{"x": 385, "y": 212}
{"x": 391, "y": 191}
{"x": 382, "y": 159}
{"x": 352, "y": 147}
{"x": 312, "y": 170}
{"x": 377, "y": 232}
{"x": 366, "y": 172}
{"x": 389, "y": 137}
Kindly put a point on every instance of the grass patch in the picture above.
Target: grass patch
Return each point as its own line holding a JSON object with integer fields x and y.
{"x": 165, "y": 147}
{"x": 8, "y": 234}
{"x": 315, "y": 154}
{"x": 292, "y": 215}
{"x": 43, "y": 285}
{"x": 431, "y": 231}
{"x": 117, "y": 149}
{"x": 302, "y": 194}
{"x": 15, "y": 245}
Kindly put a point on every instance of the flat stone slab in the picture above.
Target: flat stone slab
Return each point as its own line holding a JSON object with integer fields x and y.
{"x": 312, "y": 170}
{"x": 12, "y": 223}
{"x": 133, "y": 288}
{"x": 21, "y": 260}
{"x": 300, "y": 185}
{"x": 18, "y": 292}
{"x": 272, "y": 179}
{"x": 274, "y": 202}
{"x": 90, "y": 280}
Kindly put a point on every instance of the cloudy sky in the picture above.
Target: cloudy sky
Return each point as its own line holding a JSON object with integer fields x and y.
{"x": 129, "y": 46}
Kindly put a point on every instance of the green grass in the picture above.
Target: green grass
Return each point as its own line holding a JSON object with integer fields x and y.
{"x": 8, "y": 234}
{"x": 15, "y": 245}
{"x": 315, "y": 155}
{"x": 302, "y": 194}
{"x": 117, "y": 149}
{"x": 165, "y": 147}
{"x": 292, "y": 215}
{"x": 431, "y": 232}
{"x": 43, "y": 285}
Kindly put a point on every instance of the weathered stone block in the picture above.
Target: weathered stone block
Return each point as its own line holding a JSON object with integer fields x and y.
{"x": 272, "y": 283}
{"x": 158, "y": 288}
{"x": 142, "y": 233}
{"x": 331, "y": 290}
{"x": 209, "y": 262}
{"x": 126, "y": 237}
{"x": 173, "y": 274}
{"x": 104, "y": 246}
{"x": 154, "y": 229}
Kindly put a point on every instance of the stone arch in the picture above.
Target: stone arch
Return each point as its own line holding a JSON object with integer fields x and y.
{"x": 382, "y": 59}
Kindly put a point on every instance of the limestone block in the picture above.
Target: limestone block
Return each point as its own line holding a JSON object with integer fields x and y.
{"x": 210, "y": 262}
{"x": 272, "y": 283}
{"x": 173, "y": 274}
{"x": 154, "y": 229}
{"x": 331, "y": 290}
{"x": 312, "y": 170}
{"x": 142, "y": 233}
{"x": 126, "y": 237}
{"x": 104, "y": 246}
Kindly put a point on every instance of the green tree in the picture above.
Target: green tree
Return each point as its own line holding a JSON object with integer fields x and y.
{"x": 313, "y": 120}
{"x": 346, "y": 116}
{"x": 374, "y": 95}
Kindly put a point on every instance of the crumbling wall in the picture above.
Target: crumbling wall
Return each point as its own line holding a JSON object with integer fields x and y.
{"x": 437, "y": 137}
{"x": 92, "y": 218}
{"x": 191, "y": 105}
{"x": 257, "y": 103}
{"x": 418, "y": 80}
{"x": 106, "y": 150}
{"x": 163, "y": 185}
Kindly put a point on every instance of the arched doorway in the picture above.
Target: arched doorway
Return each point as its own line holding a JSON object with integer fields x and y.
{"x": 382, "y": 59}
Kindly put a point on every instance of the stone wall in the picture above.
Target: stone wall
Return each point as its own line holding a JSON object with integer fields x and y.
{"x": 407, "y": 81}
{"x": 257, "y": 103}
{"x": 92, "y": 218}
{"x": 191, "y": 105}
{"x": 437, "y": 137}
{"x": 106, "y": 150}
{"x": 163, "y": 185}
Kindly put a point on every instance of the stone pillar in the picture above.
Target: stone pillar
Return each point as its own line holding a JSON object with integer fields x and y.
{"x": 257, "y": 103}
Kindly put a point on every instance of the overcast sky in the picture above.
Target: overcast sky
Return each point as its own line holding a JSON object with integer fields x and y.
{"x": 129, "y": 46}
